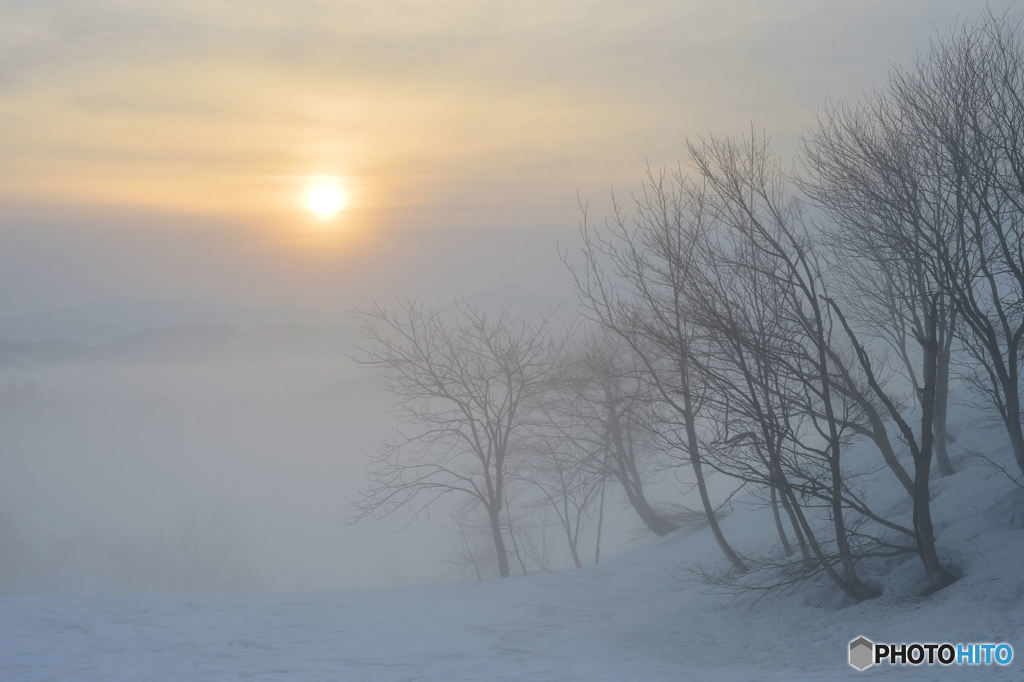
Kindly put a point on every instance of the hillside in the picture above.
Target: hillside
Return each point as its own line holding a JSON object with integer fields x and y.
{"x": 639, "y": 615}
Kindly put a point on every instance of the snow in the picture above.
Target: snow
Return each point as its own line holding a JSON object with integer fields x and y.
{"x": 638, "y": 616}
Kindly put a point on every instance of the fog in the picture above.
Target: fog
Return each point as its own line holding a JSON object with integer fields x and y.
{"x": 179, "y": 407}
{"x": 203, "y": 459}
{"x": 160, "y": 444}
{"x": 118, "y": 469}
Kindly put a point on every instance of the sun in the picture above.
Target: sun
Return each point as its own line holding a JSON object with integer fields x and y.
{"x": 325, "y": 198}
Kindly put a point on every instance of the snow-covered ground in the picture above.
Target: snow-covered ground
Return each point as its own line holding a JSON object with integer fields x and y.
{"x": 638, "y": 616}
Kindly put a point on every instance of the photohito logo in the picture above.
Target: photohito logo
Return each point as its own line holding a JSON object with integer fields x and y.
{"x": 864, "y": 653}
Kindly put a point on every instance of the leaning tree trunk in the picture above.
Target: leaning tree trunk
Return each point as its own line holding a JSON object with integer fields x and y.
{"x": 693, "y": 445}
{"x": 793, "y": 521}
{"x": 856, "y": 587}
{"x": 626, "y": 471}
{"x": 855, "y": 591}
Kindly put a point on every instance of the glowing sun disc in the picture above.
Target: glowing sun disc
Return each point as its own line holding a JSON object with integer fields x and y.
{"x": 324, "y": 201}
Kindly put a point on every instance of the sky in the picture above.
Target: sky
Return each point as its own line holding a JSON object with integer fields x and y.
{"x": 137, "y": 138}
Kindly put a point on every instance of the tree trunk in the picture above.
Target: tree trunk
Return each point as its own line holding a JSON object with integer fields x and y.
{"x": 839, "y": 522}
{"x": 877, "y": 432}
{"x": 571, "y": 536}
{"x": 855, "y": 586}
{"x": 786, "y": 547}
{"x": 629, "y": 477}
{"x": 655, "y": 523}
{"x": 857, "y": 590}
{"x": 600, "y": 524}
{"x": 945, "y": 467}
{"x": 1013, "y": 426}
{"x": 880, "y": 437}
{"x": 795, "y": 523}
{"x": 924, "y": 533}
{"x": 693, "y": 445}
{"x": 499, "y": 542}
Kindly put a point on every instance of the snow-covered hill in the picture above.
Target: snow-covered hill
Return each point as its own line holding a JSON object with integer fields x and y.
{"x": 638, "y": 616}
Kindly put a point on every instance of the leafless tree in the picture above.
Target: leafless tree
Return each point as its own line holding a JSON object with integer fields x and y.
{"x": 603, "y": 410}
{"x": 760, "y": 373}
{"x": 634, "y": 283}
{"x": 564, "y": 484}
{"x": 964, "y": 103}
{"x": 892, "y": 201}
{"x": 735, "y": 303}
{"x": 747, "y": 195}
{"x": 463, "y": 383}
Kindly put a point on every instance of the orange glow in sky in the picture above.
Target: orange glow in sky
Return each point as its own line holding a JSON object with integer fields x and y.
{"x": 442, "y": 114}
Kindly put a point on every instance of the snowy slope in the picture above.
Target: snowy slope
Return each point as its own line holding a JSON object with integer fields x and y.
{"x": 638, "y": 616}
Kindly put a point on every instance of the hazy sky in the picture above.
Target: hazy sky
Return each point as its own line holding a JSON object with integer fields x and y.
{"x": 164, "y": 148}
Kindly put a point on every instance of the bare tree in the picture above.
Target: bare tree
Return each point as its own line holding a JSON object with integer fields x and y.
{"x": 463, "y": 382}
{"x": 564, "y": 486}
{"x": 965, "y": 101}
{"x": 736, "y": 304}
{"x": 746, "y": 193}
{"x": 843, "y": 381}
{"x": 634, "y": 283}
{"x": 603, "y": 409}
{"x": 893, "y": 202}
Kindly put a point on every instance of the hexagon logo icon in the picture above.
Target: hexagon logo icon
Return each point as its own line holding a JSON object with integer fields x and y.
{"x": 862, "y": 653}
